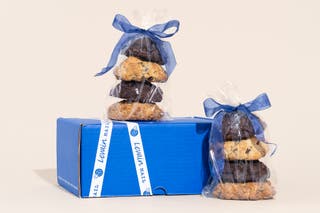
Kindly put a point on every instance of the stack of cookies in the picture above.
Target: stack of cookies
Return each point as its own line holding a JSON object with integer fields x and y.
{"x": 138, "y": 72}
{"x": 244, "y": 176}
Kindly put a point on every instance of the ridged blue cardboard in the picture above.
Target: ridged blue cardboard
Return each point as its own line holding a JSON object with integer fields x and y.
{"x": 176, "y": 153}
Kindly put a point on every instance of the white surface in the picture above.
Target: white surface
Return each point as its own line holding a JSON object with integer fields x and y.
{"x": 39, "y": 193}
{"x": 50, "y": 50}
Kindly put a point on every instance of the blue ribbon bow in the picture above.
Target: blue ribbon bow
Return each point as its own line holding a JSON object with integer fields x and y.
{"x": 217, "y": 111}
{"x": 155, "y": 32}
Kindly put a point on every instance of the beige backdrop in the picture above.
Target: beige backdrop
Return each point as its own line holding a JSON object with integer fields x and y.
{"x": 50, "y": 50}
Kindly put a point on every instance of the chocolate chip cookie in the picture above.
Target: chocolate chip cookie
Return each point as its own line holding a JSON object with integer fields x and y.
{"x": 249, "y": 149}
{"x": 134, "y": 69}
{"x": 125, "y": 110}
{"x": 244, "y": 191}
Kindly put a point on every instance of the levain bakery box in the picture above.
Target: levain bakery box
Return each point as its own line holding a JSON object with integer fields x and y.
{"x": 112, "y": 158}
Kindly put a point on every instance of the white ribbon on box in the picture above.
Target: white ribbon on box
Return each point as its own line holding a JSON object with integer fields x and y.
{"x": 102, "y": 157}
{"x": 139, "y": 158}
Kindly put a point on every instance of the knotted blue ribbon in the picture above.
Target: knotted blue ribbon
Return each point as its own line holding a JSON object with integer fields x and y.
{"x": 155, "y": 32}
{"x": 217, "y": 111}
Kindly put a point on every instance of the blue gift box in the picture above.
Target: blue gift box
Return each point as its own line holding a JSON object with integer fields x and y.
{"x": 175, "y": 153}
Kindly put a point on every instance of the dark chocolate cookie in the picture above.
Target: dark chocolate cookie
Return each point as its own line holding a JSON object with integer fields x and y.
{"x": 145, "y": 49}
{"x": 245, "y": 171}
{"x": 134, "y": 91}
{"x": 236, "y": 126}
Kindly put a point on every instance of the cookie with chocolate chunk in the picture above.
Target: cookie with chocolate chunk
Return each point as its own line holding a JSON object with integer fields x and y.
{"x": 145, "y": 49}
{"x": 240, "y": 171}
{"x": 244, "y": 191}
{"x": 125, "y": 110}
{"x": 135, "y": 91}
{"x": 236, "y": 126}
{"x": 249, "y": 149}
{"x": 134, "y": 69}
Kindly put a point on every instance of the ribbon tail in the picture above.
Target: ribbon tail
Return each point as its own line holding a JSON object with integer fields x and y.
{"x": 167, "y": 55}
{"x": 116, "y": 51}
{"x": 165, "y": 47}
{"x": 257, "y": 126}
{"x": 259, "y": 103}
{"x": 259, "y": 131}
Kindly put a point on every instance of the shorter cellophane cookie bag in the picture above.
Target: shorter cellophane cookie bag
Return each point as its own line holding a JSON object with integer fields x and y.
{"x": 141, "y": 62}
{"x": 239, "y": 151}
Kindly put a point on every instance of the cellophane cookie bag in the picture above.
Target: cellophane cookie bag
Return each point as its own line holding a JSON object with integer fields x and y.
{"x": 239, "y": 151}
{"x": 141, "y": 62}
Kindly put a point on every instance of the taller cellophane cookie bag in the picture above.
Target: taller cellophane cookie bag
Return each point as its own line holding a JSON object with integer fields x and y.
{"x": 141, "y": 62}
{"x": 239, "y": 151}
